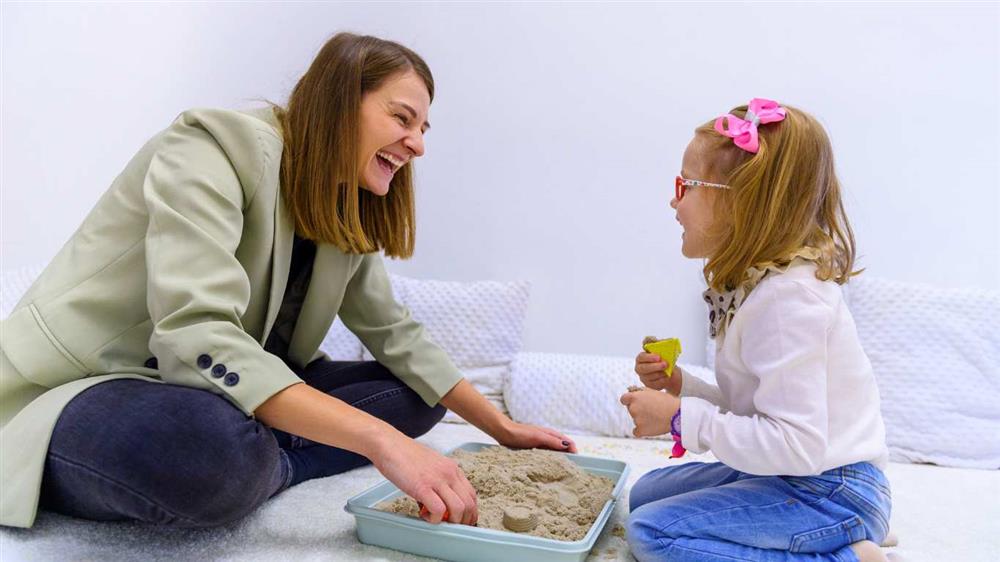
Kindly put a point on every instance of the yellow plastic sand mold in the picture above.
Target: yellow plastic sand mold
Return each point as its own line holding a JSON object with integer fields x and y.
{"x": 668, "y": 350}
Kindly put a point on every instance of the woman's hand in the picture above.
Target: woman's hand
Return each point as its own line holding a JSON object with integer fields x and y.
{"x": 467, "y": 402}
{"x": 425, "y": 475}
{"x": 429, "y": 477}
{"x": 651, "y": 370}
{"x": 651, "y": 411}
{"x": 524, "y": 436}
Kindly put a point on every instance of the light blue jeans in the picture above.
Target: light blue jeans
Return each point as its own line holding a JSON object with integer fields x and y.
{"x": 710, "y": 513}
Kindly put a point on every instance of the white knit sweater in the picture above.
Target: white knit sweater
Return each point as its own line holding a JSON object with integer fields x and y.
{"x": 796, "y": 394}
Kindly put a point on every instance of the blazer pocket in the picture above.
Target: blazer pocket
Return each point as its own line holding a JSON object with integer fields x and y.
{"x": 36, "y": 353}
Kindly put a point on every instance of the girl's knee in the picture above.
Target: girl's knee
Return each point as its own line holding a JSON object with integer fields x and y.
{"x": 644, "y": 537}
{"x": 638, "y": 495}
{"x": 670, "y": 481}
{"x": 654, "y": 485}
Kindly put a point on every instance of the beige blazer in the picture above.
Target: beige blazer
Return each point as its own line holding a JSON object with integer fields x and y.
{"x": 185, "y": 259}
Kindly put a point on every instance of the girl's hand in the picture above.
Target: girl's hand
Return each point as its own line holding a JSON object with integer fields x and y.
{"x": 650, "y": 368}
{"x": 651, "y": 411}
{"x": 432, "y": 479}
{"x": 524, "y": 436}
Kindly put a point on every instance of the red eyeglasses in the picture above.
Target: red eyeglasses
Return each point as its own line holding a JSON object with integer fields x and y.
{"x": 681, "y": 186}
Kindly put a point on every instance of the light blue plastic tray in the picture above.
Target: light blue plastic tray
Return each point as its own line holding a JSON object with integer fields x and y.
{"x": 462, "y": 542}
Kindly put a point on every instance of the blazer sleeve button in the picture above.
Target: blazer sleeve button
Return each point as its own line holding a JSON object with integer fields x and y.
{"x": 151, "y": 363}
{"x": 218, "y": 370}
{"x": 232, "y": 379}
{"x": 204, "y": 361}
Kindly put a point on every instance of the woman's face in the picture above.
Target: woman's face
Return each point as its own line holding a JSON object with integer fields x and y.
{"x": 695, "y": 209}
{"x": 393, "y": 123}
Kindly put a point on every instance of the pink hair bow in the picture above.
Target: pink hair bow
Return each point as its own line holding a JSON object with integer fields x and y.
{"x": 744, "y": 131}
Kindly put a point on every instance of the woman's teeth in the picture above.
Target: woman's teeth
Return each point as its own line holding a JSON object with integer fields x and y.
{"x": 389, "y": 161}
{"x": 384, "y": 165}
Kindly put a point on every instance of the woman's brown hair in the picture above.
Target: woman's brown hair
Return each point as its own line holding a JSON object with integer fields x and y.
{"x": 782, "y": 198}
{"x": 319, "y": 165}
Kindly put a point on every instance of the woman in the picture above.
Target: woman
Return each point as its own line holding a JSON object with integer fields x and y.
{"x": 155, "y": 370}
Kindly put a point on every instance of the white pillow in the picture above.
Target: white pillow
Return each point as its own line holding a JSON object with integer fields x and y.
{"x": 479, "y": 324}
{"x": 576, "y": 393}
{"x": 936, "y": 356}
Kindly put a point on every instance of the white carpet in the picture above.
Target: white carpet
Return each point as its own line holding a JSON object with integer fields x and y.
{"x": 940, "y": 514}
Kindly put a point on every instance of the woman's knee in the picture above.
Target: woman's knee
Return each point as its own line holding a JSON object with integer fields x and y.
{"x": 395, "y": 403}
{"x": 423, "y": 419}
{"x": 236, "y": 475}
{"x": 177, "y": 455}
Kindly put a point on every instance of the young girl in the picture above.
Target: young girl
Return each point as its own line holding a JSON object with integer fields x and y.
{"x": 795, "y": 416}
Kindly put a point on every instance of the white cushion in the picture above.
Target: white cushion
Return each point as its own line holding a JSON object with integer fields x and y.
{"x": 936, "y": 356}
{"x": 574, "y": 392}
{"x": 479, "y": 324}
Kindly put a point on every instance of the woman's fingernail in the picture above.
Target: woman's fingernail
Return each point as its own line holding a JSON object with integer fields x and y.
{"x": 565, "y": 443}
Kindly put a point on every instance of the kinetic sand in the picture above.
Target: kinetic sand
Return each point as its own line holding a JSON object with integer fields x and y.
{"x": 535, "y": 492}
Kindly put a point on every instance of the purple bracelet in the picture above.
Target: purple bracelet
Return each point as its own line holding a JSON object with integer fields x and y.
{"x": 675, "y": 432}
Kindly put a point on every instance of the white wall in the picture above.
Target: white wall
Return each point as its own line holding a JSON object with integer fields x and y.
{"x": 557, "y": 131}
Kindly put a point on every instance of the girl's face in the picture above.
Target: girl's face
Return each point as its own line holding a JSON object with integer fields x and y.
{"x": 695, "y": 209}
{"x": 393, "y": 123}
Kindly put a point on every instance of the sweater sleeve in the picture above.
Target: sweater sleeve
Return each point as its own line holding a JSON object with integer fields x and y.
{"x": 197, "y": 290}
{"x": 696, "y": 387}
{"x": 392, "y": 336}
{"x": 784, "y": 345}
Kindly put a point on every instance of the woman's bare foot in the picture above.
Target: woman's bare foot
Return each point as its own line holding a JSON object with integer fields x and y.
{"x": 867, "y": 551}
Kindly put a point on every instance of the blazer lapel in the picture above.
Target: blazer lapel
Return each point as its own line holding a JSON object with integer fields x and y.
{"x": 281, "y": 260}
{"x": 332, "y": 270}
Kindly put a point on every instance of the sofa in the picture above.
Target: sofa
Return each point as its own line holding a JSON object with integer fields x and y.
{"x": 943, "y": 427}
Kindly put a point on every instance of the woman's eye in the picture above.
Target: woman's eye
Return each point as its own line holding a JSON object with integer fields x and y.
{"x": 402, "y": 119}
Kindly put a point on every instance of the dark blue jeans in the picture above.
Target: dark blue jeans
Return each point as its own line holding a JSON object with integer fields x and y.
{"x": 183, "y": 457}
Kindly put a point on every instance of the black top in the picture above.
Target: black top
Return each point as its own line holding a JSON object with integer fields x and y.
{"x": 299, "y": 273}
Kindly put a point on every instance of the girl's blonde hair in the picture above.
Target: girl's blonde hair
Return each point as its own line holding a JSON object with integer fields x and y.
{"x": 319, "y": 166}
{"x": 782, "y": 198}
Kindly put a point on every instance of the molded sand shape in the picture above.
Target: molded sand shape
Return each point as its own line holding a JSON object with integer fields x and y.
{"x": 519, "y": 519}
